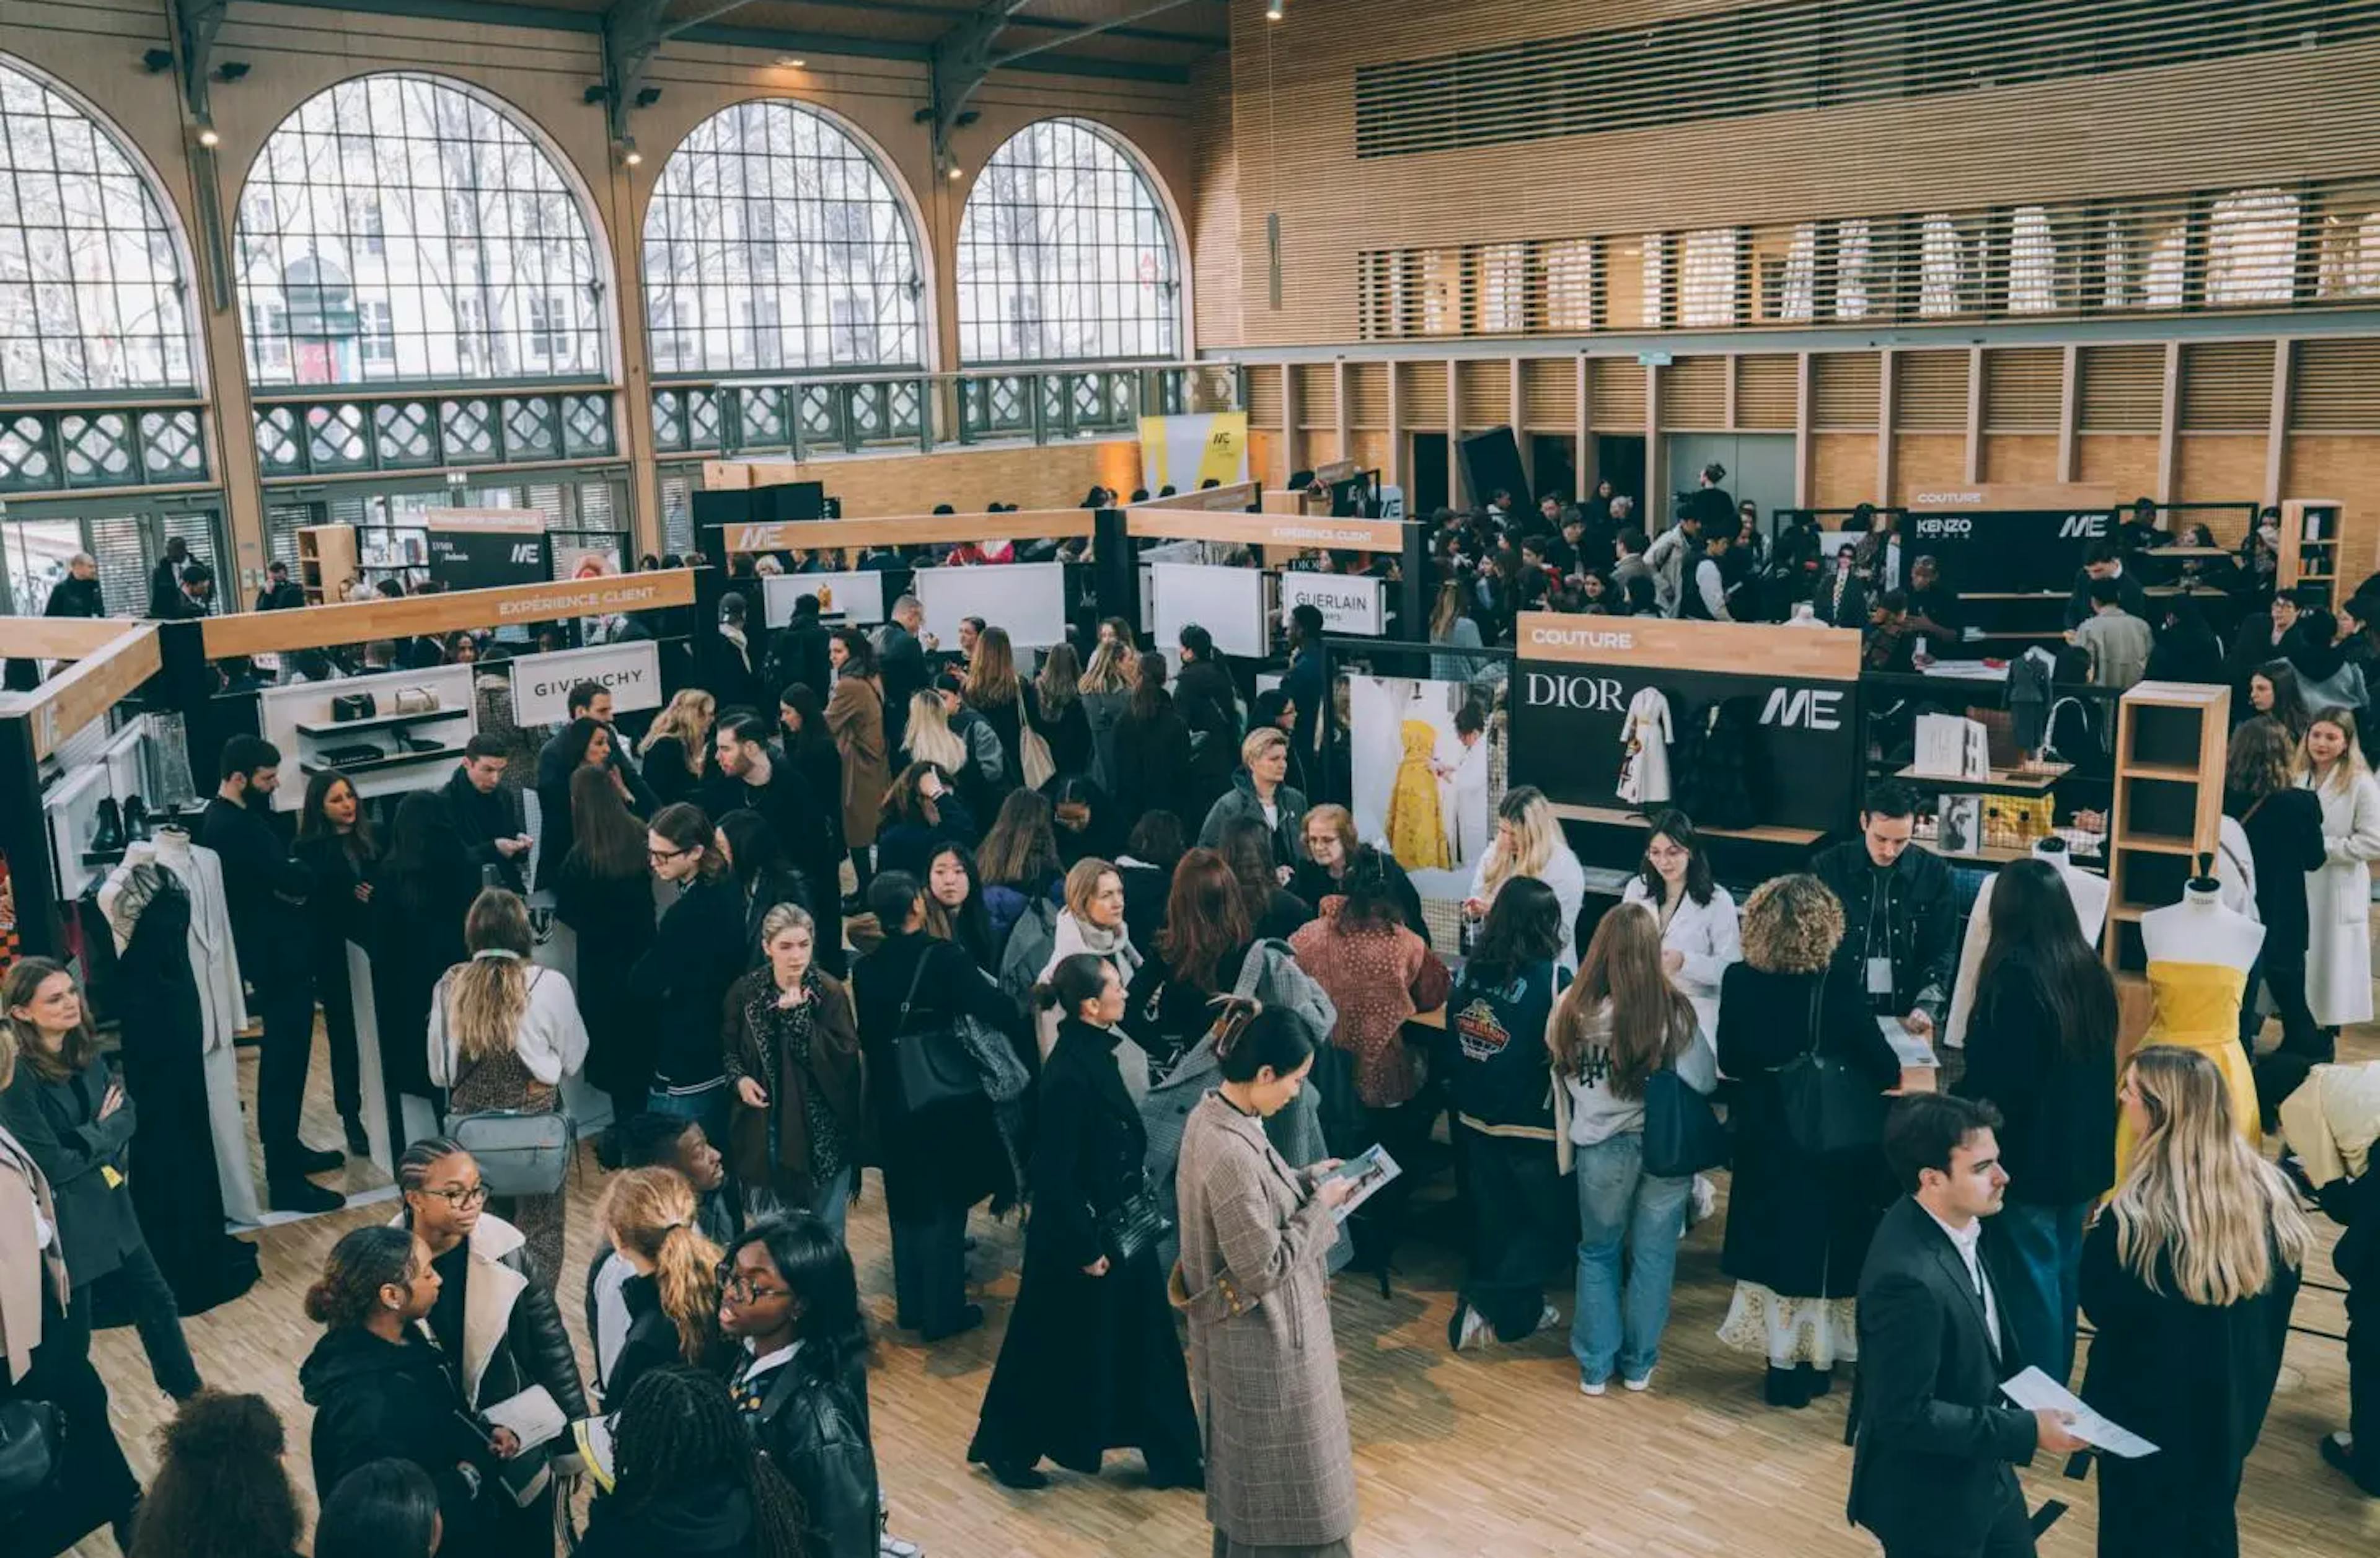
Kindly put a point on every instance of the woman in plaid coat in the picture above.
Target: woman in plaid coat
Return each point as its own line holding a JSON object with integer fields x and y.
{"x": 1257, "y": 1236}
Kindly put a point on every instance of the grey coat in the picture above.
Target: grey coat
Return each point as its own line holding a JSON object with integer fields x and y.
{"x": 1104, "y": 711}
{"x": 1279, "y": 1469}
{"x": 1240, "y": 800}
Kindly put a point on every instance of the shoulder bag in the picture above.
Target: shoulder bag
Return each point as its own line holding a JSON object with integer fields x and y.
{"x": 520, "y": 1151}
{"x": 933, "y": 1066}
{"x": 1830, "y": 1108}
{"x": 1033, "y": 754}
{"x": 1682, "y": 1134}
{"x": 1136, "y": 1223}
{"x": 32, "y": 1433}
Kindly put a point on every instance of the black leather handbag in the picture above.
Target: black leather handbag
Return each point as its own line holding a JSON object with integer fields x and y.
{"x": 1682, "y": 1135}
{"x": 1138, "y": 1222}
{"x": 1830, "y": 1108}
{"x": 933, "y": 1066}
{"x": 348, "y": 706}
{"x": 31, "y": 1435}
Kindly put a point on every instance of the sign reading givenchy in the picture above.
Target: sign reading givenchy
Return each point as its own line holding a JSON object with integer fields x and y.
{"x": 542, "y": 683}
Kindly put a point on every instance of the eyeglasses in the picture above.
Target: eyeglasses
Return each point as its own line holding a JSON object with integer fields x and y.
{"x": 740, "y": 1288}
{"x": 666, "y": 854}
{"x": 462, "y": 1196}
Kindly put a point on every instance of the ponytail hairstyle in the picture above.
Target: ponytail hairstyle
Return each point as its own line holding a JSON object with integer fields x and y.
{"x": 413, "y": 1169}
{"x": 652, "y": 1211}
{"x": 1250, "y": 1036}
{"x": 679, "y": 1430}
{"x": 361, "y": 1264}
{"x": 1074, "y": 979}
{"x": 487, "y": 997}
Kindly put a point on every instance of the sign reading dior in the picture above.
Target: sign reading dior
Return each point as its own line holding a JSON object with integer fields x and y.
{"x": 542, "y": 683}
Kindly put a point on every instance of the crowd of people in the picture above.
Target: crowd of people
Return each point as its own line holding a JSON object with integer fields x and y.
{"x": 1097, "y": 939}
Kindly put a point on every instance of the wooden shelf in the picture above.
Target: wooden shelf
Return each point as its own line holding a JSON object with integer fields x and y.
{"x": 1612, "y": 816}
{"x": 1987, "y": 854}
{"x": 2158, "y": 844}
{"x": 379, "y": 721}
{"x": 2177, "y": 772}
{"x": 2004, "y": 779}
{"x": 2159, "y": 716}
{"x": 2129, "y": 914}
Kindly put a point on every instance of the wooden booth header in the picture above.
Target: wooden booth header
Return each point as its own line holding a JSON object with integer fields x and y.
{"x": 1824, "y": 654}
{"x": 911, "y": 530}
{"x": 1265, "y": 530}
{"x": 87, "y": 690}
{"x": 451, "y": 610}
{"x": 1237, "y": 498}
{"x": 57, "y": 638}
{"x": 2008, "y": 496}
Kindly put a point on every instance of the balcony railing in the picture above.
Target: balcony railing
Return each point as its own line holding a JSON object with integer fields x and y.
{"x": 337, "y": 436}
{"x": 79, "y": 448}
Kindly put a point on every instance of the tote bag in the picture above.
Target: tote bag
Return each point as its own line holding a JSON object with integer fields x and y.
{"x": 1830, "y": 1108}
{"x": 1682, "y": 1135}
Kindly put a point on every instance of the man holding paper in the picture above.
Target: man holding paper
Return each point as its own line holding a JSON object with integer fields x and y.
{"x": 1933, "y": 1475}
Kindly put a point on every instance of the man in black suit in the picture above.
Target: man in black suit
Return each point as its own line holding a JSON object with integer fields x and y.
{"x": 279, "y": 594}
{"x": 901, "y": 661}
{"x": 750, "y": 773}
{"x": 165, "y": 579}
{"x": 2102, "y": 561}
{"x": 798, "y": 652}
{"x": 1933, "y": 1475}
{"x": 2258, "y": 642}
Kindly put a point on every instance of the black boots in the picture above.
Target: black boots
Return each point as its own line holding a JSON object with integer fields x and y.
{"x": 107, "y": 838}
{"x": 136, "y": 819}
{"x": 359, "y": 1139}
{"x": 1796, "y": 1387}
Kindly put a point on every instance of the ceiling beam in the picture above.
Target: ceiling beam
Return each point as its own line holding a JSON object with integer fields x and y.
{"x": 1105, "y": 24}
{"x": 634, "y": 32}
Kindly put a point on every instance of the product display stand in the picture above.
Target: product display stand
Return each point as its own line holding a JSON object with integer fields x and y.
{"x": 2170, "y": 740}
{"x": 2309, "y": 548}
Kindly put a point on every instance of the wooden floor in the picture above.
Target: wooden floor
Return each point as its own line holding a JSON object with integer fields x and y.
{"x": 1489, "y": 1453}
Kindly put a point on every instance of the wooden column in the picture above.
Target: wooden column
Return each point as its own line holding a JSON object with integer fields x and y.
{"x": 1520, "y": 423}
{"x": 1291, "y": 440}
{"x": 2169, "y": 419}
{"x": 1802, "y": 450}
{"x": 1344, "y": 423}
{"x": 2277, "y": 432}
{"x": 1974, "y": 414}
{"x": 2068, "y": 404}
{"x": 1399, "y": 473}
{"x": 1884, "y": 376}
{"x": 1582, "y": 421}
{"x": 1458, "y": 485}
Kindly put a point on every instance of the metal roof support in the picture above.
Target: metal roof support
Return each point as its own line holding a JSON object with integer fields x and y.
{"x": 634, "y": 32}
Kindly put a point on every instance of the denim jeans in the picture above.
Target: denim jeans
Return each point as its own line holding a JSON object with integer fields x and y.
{"x": 2040, "y": 1279}
{"x": 1618, "y": 1202}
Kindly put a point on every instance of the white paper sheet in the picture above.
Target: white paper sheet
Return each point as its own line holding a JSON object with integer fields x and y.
{"x": 1912, "y": 1050}
{"x": 533, "y": 1415}
{"x": 1370, "y": 1170}
{"x": 2036, "y": 1391}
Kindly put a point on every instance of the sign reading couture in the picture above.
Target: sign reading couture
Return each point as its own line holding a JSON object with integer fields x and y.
{"x": 542, "y": 683}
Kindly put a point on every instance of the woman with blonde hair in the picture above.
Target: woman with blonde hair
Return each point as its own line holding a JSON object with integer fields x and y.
{"x": 650, "y": 1216}
{"x": 676, "y": 753}
{"x": 1529, "y": 843}
{"x": 1106, "y": 692}
{"x": 1798, "y": 1223}
{"x": 800, "y": 1123}
{"x": 930, "y": 738}
{"x": 503, "y": 1031}
{"x": 1093, "y": 922}
{"x": 2188, "y": 1279}
{"x": 2338, "y": 896}
{"x": 1261, "y": 793}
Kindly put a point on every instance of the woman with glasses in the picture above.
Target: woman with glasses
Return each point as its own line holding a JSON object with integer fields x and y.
{"x": 495, "y": 1323}
{"x": 698, "y": 951}
{"x": 789, "y": 1302}
{"x": 1700, "y": 932}
{"x": 503, "y": 1031}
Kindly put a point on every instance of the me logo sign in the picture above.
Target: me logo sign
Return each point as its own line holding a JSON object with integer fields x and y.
{"x": 1807, "y": 707}
{"x": 2093, "y": 526}
{"x": 525, "y": 552}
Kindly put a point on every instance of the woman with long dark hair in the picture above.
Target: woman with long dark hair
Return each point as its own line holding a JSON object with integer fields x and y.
{"x": 337, "y": 845}
{"x": 690, "y": 1480}
{"x": 1146, "y": 868}
{"x": 381, "y": 1509}
{"x": 749, "y": 843}
{"x": 790, "y": 1303}
{"x": 1493, "y": 1059}
{"x": 1153, "y": 750}
{"x": 1020, "y": 862}
{"x": 1700, "y": 932}
{"x": 2041, "y": 1047}
{"x": 219, "y": 1489}
{"x": 586, "y": 742}
{"x": 1198, "y": 954}
{"x": 855, "y": 715}
{"x": 2273, "y": 691}
{"x": 605, "y": 894}
{"x": 1090, "y": 1362}
{"x": 811, "y": 748}
{"x": 697, "y": 953}
{"x": 954, "y": 908}
{"x": 1274, "y": 911}
{"x": 921, "y": 810}
{"x": 994, "y": 690}
{"x": 1057, "y": 698}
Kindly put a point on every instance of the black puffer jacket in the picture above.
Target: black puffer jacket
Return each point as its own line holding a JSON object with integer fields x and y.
{"x": 375, "y": 1398}
{"x": 1914, "y": 924}
{"x": 815, "y": 1430}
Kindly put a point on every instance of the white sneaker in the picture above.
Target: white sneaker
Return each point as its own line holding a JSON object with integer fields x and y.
{"x": 1550, "y": 1318}
{"x": 1640, "y": 1385}
{"x": 1704, "y": 1202}
{"x": 1597, "y": 1388}
{"x": 1474, "y": 1330}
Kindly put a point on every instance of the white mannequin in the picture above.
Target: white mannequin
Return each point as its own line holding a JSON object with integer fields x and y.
{"x": 2200, "y": 930}
{"x": 2087, "y": 889}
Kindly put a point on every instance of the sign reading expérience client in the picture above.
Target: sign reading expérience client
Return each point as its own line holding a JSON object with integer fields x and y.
{"x": 542, "y": 683}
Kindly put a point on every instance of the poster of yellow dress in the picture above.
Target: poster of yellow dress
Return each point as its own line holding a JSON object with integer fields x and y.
{"x": 1420, "y": 770}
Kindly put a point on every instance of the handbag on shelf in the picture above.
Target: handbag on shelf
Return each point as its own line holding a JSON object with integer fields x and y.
{"x": 934, "y": 1066}
{"x": 347, "y": 706}
{"x": 1136, "y": 1223}
{"x": 414, "y": 700}
{"x": 1829, "y": 1107}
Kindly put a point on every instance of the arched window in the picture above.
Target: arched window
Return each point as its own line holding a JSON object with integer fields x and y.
{"x": 775, "y": 242}
{"x": 404, "y": 230}
{"x": 1065, "y": 253}
{"x": 91, "y": 290}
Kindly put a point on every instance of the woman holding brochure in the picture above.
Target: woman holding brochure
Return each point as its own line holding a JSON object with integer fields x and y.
{"x": 2188, "y": 1277}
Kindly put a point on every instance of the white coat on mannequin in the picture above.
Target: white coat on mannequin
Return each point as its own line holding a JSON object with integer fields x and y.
{"x": 2339, "y": 903}
{"x": 1645, "y": 734}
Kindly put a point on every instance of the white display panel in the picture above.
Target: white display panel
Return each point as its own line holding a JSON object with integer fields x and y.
{"x": 1350, "y": 603}
{"x": 853, "y": 600}
{"x": 1228, "y": 603}
{"x": 542, "y": 683}
{"x": 297, "y": 720}
{"x": 1027, "y": 599}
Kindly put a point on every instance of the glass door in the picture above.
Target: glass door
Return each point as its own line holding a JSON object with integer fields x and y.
{"x": 124, "y": 537}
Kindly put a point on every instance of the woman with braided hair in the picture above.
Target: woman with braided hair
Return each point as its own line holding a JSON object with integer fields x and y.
{"x": 689, "y": 1480}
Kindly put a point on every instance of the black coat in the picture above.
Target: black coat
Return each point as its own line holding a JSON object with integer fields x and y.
{"x": 809, "y": 822}
{"x": 696, "y": 954}
{"x": 797, "y": 654}
{"x": 901, "y": 666}
{"x": 2130, "y": 595}
{"x": 482, "y": 819}
{"x": 2058, "y": 1110}
{"x": 2285, "y": 842}
{"x": 652, "y": 1342}
{"x": 705, "y": 1520}
{"x": 556, "y": 828}
{"x": 2251, "y": 645}
{"x": 1916, "y": 923}
{"x": 814, "y": 1429}
{"x": 665, "y": 773}
{"x": 1796, "y": 1224}
{"x": 1090, "y": 1364}
{"x": 1069, "y": 735}
{"x": 1209, "y": 706}
{"x": 2195, "y": 1378}
{"x": 1936, "y": 1448}
{"x": 335, "y": 916}
{"x": 613, "y": 918}
{"x": 416, "y": 919}
{"x": 75, "y": 597}
{"x": 264, "y": 890}
{"x": 1146, "y": 888}
{"x": 58, "y": 1124}
{"x": 1314, "y": 884}
{"x": 1153, "y": 769}
{"x": 375, "y": 1399}
{"x": 948, "y": 1155}
{"x": 165, "y": 588}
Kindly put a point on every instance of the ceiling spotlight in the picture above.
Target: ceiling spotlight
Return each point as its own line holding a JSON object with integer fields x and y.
{"x": 791, "y": 62}
{"x": 208, "y": 138}
{"x": 957, "y": 172}
{"x": 629, "y": 156}
{"x": 157, "y": 61}
{"x": 231, "y": 70}
{"x": 1274, "y": 10}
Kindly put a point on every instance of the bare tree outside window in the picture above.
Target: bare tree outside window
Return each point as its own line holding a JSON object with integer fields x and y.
{"x": 1065, "y": 253}
{"x": 410, "y": 231}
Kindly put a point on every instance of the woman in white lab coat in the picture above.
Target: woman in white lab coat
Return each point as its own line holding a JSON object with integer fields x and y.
{"x": 1699, "y": 932}
{"x": 1467, "y": 819}
{"x": 2338, "y": 896}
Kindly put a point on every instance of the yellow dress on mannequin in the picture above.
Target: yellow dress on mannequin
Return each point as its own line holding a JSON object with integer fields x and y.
{"x": 2196, "y": 1006}
{"x": 1416, "y": 822}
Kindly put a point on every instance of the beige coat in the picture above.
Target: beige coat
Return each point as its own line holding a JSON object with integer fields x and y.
{"x": 1263, "y": 1363}
{"x": 24, "y": 1194}
{"x": 856, "y": 716}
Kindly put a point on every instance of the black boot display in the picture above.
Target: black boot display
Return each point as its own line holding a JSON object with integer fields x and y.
{"x": 108, "y": 837}
{"x": 136, "y": 819}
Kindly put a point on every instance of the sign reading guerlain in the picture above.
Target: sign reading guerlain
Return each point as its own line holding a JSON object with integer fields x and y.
{"x": 1349, "y": 604}
{"x": 542, "y": 683}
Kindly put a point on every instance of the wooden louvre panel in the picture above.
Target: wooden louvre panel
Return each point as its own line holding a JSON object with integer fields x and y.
{"x": 1843, "y": 390}
{"x": 1367, "y": 394}
{"x": 2226, "y": 386}
{"x": 2121, "y": 389}
{"x": 1615, "y": 393}
{"x": 2023, "y": 388}
{"x": 1766, "y": 392}
{"x": 2333, "y": 385}
{"x": 1549, "y": 392}
{"x": 1263, "y": 395}
{"x": 1929, "y": 391}
{"x": 1422, "y": 386}
{"x": 1317, "y": 394}
{"x": 1693, "y": 395}
{"x": 1485, "y": 385}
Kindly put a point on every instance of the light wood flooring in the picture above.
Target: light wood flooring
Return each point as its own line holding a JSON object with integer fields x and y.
{"x": 1489, "y": 1453}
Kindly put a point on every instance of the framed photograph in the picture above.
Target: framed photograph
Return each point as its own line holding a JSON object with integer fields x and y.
{"x": 1959, "y": 824}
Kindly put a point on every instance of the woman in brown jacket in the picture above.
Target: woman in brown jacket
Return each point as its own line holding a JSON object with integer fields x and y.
{"x": 855, "y": 715}
{"x": 800, "y": 1131}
